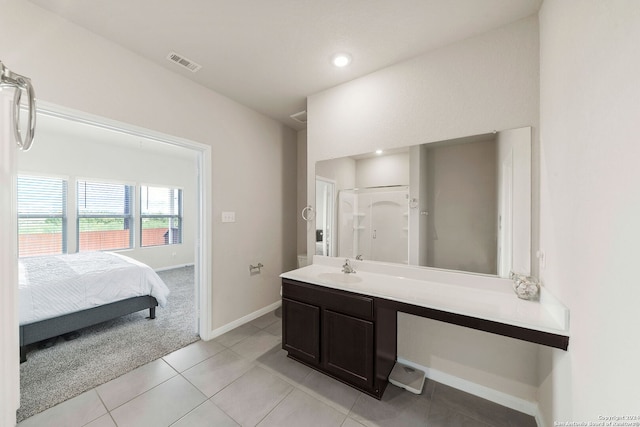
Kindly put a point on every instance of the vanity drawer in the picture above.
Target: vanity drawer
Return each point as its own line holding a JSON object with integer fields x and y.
{"x": 340, "y": 301}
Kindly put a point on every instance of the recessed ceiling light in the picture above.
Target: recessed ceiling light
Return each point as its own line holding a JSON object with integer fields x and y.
{"x": 378, "y": 152}
{"x": 341, "y": 59}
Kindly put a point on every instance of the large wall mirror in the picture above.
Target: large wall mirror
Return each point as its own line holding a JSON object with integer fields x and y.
{"x": 462, "y": 204}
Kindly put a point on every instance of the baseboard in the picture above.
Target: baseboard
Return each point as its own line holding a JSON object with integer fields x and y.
{"x": 172, "y": 267}
{"x": 241, "y": 321}
{"x": 516, "y": 403}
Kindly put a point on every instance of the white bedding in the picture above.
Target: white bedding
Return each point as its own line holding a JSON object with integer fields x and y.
{"x": 51, "y": 286}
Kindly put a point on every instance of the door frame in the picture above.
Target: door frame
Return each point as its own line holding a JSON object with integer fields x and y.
{"x": 203, "y": 238}
{"x": 9, "y": 321}
{"x": 9, "y": 359}
{"x": 332, "y": 221}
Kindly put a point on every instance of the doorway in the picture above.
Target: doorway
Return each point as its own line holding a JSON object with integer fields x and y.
{"x": 146, "y": 141}
{"x": 325, "y": 214}
{"x": 128, "y": 146}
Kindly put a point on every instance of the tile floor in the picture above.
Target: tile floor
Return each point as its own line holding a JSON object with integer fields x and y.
{"x": 244, "y": 378}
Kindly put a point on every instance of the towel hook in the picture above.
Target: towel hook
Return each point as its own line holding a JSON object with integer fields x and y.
{"x": 8, "y": 78}
{"x": 307, "y": 213}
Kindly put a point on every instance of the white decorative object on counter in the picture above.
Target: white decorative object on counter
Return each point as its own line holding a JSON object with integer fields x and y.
{"x": 526, "y": 287}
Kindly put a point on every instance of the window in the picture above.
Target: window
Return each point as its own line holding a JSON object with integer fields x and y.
{"x": 105, "y": 216}
{"x": 160, "y": 216}
{"x": 42, "y": 216}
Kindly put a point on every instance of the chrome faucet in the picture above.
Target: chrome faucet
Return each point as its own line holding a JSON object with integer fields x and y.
{"x": 346, "y": 268}
{"x": 359, "y": 257}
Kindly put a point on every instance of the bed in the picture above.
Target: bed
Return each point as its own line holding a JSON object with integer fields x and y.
{"x": 63, "y": 293}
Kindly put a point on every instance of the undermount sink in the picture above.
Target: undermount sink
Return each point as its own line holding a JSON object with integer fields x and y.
{"x": 340, "y": 277}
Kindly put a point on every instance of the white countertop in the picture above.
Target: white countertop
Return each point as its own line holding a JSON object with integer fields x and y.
{"x": 484, "y": 297}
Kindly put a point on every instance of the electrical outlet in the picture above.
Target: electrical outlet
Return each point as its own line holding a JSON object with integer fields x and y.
{"x": 228, "y": 217}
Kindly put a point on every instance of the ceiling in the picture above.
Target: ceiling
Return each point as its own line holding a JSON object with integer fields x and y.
{"x": 271, "y": 54}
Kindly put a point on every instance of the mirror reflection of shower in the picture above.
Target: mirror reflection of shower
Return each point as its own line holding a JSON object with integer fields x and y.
{"x": 325, "y": 213}
{"x": 373, "y": 224}
{"x": 469, "y": 206}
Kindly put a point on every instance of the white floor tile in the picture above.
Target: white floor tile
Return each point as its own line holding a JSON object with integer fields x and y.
{"x": 159, "y": 406}
{"x": 126, "y": 387}
{"x": 332, "y": 392}
{"x": 398, "y": 407}
{"x": 256, "y": 345}
{"x": 265, "y": 320}
{"x": 350, "y": 422}
{"x": 275, "y": 328}
{"x": 276, "y": 361}
{"x": 206, "y": 415}
{"x": 193, "y": 354}
{"x": 260, "y": 391}
{"x": 236, "y": 335}
{"x": 217, "y": 372}
{"x": 300, "y": 409}
{"x": 78, "y": 411}
{"x": 103, "y": 421}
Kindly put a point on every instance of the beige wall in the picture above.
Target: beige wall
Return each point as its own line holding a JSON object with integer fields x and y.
{"x": 485, "y": 83}
{"x": 462, "y": 205}
{"x": 380, "y": 171}
{"x": 590, "y": 204}
{"x": 252, "y": 155}
{"x": 342, "y": 171}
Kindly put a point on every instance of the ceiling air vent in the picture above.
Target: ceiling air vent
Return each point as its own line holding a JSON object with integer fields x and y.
{"x": 183, "y": 62}
{"x": 300, "y": 117}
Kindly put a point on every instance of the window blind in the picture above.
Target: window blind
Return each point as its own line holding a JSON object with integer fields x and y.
{"x": 160, "y": 216}
{"x": 42, "y": 215}
{"x": 105, "y": 216}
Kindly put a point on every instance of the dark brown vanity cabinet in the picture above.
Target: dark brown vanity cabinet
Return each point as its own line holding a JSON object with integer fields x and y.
{"x": 342, "y": 334}
{"x": 348, "y": 348}
{"x": 301, "y": 330}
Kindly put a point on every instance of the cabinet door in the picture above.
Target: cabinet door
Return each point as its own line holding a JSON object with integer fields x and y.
{"x": 301, "y": 330}
{"x": 348, "y": 348}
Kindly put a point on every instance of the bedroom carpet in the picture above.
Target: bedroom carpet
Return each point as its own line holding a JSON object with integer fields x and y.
{"x": 108, "y": 350}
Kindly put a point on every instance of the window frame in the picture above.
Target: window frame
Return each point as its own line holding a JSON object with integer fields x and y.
{"x": 129, "y": 219}
{"x": 179, "y": 216}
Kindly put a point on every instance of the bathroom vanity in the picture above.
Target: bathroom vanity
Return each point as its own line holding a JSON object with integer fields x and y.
{"x": 344, "y": 334}
{"x": 345, "y": 325}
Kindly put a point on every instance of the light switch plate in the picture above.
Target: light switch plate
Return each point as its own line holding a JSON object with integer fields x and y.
{"x": 228, "y": 217}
